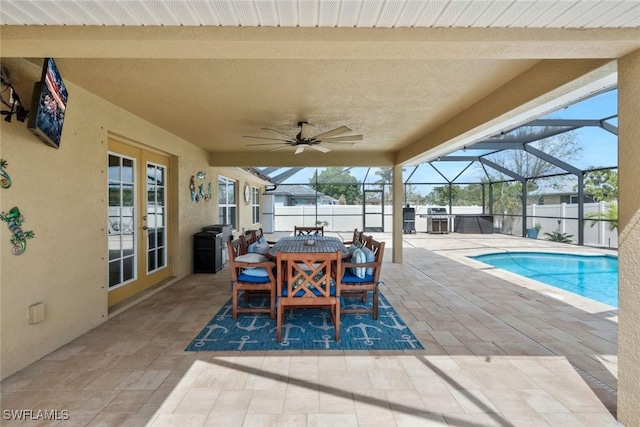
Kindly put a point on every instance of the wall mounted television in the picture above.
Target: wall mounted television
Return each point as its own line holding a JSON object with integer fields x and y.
{"x": 48, "y": 105}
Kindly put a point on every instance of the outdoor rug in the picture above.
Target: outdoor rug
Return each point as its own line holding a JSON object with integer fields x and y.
{"x": 306, "y": 329}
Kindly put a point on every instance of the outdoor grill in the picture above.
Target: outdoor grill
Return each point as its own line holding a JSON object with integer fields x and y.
{"x": 437, "y": 220}
{"x": 408, "y": 220}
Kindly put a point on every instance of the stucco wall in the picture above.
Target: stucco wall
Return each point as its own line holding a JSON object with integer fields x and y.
{"x": 629, "y": 236}
{"x": 62, "y": 195}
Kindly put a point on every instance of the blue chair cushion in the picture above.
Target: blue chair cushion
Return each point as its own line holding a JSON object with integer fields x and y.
{"x": 359, "y": 257}
{"x": 258, "y": 272}
{"x": 243, "y": 277}
{"x": 349, "y": 277}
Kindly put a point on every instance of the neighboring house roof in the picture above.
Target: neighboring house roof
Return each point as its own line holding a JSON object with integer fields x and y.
{"x": 299, "y": 191}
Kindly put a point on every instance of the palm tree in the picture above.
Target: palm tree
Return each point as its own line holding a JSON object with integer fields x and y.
{"x": 610, "y": 215}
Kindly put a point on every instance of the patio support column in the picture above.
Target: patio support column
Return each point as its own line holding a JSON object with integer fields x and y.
{"x": 397, "y": 214}
{"x": 629, "y": 239}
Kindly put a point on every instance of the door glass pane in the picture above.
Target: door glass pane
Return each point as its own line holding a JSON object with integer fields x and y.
{"x": 127, "y": 269}
{"x": 114, "y": 168}
{"x": 115, "y": 198}
{"x": 160, "y": 259}
{"x": 152, "y": 260}
{"x": 114, "y": 273}
{"x": 152, "y": 238}
{"x": 160, "y": 236}
{"x": 127, "y": 244}
{"x": 127, "y": 195}
{"x": 127, "y": 221}
{"x": 127, "y": 170}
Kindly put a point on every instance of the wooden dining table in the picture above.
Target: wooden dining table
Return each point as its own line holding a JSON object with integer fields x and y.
{"x": 308, "y": 244}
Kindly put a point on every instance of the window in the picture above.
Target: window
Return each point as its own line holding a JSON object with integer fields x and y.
{"x": 227, "y": 202}
{"x": 255, "y": 204}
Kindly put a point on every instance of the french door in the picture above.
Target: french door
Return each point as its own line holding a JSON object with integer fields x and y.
{"x": 137, "y": 220}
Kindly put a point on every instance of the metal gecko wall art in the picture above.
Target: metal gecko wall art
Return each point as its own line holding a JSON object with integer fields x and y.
{"x": 5, "y": 179}
{"x": 14, "y": 220}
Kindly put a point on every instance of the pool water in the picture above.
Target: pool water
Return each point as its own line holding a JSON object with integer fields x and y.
{"x": 594, "y": 277}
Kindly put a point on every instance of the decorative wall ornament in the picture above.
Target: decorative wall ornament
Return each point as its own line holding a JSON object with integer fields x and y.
{"x": 5, "y": 180}
{"x": 14, "y": 220}
{"x": 201, "y": 175}
{"x": 192, "y": 187}
{"x": 209, "y": 194}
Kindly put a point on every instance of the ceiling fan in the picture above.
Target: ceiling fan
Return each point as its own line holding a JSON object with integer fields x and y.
{"x": 304, "y": 139}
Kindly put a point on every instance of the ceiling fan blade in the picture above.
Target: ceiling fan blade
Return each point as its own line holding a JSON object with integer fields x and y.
{"x": 336, "y": 131}
{"x": 271, "y": 139}
{"x": 300, "y": 149}
{"x": 306, "y": 129}
{"x": 262, "y": 144}
{"x": 277, "y": 148}
{"x": 320, "y": 148}
{"x": 273, "y": 130}
{"x": 346, "y": 138}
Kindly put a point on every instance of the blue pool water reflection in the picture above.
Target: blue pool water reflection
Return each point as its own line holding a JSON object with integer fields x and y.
{"x": 594, "y": 277}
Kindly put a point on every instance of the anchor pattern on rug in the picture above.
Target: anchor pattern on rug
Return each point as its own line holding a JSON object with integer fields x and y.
{"x": 305, "y": 329}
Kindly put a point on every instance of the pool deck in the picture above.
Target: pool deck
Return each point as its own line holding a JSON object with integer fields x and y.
{"x": 499, "y": 350}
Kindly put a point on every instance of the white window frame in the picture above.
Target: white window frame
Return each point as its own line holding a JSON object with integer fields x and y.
{"x": 255, "y": 204}
{"x": 226, "y": 205}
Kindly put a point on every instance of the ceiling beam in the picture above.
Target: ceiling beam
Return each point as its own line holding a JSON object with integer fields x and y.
{"x": 314, "y": 43}
{"x": 307, "y": 159}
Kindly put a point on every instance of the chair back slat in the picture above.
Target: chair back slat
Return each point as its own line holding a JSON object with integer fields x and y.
{"x": 308, "y": 231}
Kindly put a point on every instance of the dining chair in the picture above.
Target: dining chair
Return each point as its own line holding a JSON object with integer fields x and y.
{"x": 249, "y": 238}
{"x": 363, "y": 277}
{"x": 359, "y": 239}
{"x": 260, "y": 234}
{"x": 253, "y": 275}
{"x": 308, "y": 231}
{"x": 308, "y": 280}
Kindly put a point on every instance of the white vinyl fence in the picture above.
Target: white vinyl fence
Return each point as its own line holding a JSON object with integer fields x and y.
{"x": 348, "y": 217}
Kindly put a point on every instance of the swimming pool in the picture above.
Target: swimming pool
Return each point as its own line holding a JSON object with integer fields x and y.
{"x": 594, "y": 277}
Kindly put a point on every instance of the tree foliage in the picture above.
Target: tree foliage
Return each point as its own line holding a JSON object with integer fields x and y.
{"x": 563, "y": 146}
{"x": 461, "y": 195}
{"x": 602, "y": 185}
{"x": 337, "y": 182}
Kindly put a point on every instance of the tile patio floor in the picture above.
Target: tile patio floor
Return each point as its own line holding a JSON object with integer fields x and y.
{"x": 499, "y": 351}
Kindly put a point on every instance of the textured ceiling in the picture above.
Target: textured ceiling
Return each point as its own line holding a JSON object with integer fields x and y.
{"x": 408, "y": 75}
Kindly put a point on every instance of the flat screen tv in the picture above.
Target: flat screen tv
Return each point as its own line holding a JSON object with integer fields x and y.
{"x": 48, "y": 105}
